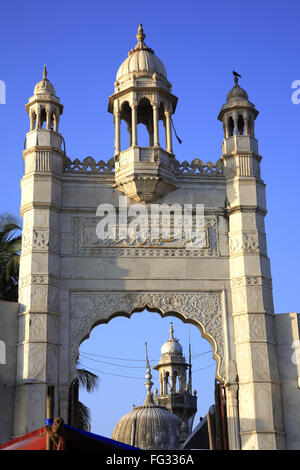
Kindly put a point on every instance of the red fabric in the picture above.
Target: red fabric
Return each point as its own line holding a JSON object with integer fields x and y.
{"x": 35, "y": 440}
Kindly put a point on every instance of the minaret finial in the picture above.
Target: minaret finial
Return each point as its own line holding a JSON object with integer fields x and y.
{"x": 236, "y": 77}
{"x": 148, "y": 375}
{"x": 148, "y": 383}
{"x": 171, "y": 332}
{"x": 140, "y": 34}
{"x": 45, "y": 72}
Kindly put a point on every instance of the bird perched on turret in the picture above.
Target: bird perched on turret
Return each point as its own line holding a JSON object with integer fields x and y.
{"x": 236, "y": 74}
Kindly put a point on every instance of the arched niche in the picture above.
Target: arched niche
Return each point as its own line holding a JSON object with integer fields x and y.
{"x": 204, "y": 310}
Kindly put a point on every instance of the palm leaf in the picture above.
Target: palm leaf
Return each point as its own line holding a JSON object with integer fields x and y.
{"x": 87, "y": 380}
{"x": 83, "y": 417}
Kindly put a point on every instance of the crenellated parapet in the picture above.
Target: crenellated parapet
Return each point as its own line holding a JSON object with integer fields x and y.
{"x": 196, "y": 167}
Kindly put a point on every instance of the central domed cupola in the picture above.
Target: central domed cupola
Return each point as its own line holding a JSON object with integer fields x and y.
{"x": 143, "y": 97}
{"x": 141, "y": 60}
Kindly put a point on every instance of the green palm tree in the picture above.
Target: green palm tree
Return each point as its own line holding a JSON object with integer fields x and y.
{"x": 10, "y": 248}
{"x": 89, "y": 382}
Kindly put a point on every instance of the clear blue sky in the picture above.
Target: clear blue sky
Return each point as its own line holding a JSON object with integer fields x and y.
{"x": 83, "y": 44}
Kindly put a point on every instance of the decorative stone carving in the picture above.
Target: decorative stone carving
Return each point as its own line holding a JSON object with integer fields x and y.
{"x": 196, "y": 167}
{"x": 251, "y": 281}
{"x": 257, "y": 330}
{"x": 37, "y": 324}
{"x": 36, "y": 361}
{"x": 39, "y": 279}
{"x": 85, "y": 242}
{"x": 243, "y": 242}
{"x": 40, "y": 240}
{"x": 88, "y": 309}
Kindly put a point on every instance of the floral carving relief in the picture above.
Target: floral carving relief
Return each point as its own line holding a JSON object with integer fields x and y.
{"x": 40, "y": 240}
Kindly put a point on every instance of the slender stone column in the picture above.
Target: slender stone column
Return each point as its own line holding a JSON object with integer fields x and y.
{"x": 232, "y": 411}
{"x": 134, "y": 125}
{"x": 117, "y": 133}
{"x": 155, "y": 125}
{"x": 169, "y": 146}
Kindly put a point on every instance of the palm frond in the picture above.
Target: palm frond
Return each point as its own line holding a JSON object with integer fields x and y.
{"x": 83, "y": 417}
{"x": 87, "y": 380}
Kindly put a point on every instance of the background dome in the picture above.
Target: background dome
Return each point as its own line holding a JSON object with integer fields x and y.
{"x": 149, "y": 427}
{"x": 141, "y": 59}
{"x": 171, "y": 347}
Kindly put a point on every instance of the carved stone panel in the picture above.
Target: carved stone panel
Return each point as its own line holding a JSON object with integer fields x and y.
{"x": 85, "y": 242}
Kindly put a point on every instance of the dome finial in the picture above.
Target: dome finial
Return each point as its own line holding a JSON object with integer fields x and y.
{"x": 171, "y": 332}
{"x": 140, "y": 34}
{"x": 236, "y": 77}
{"x": 45, "y": 72}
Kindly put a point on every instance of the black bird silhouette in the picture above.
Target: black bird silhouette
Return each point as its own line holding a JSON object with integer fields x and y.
{"x": 236, "y": 74}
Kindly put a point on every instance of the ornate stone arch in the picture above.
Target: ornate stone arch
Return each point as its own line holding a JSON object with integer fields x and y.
{"x": 204, "y": 309}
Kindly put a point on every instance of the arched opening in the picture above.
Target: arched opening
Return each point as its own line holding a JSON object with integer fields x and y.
{"x": 33, "y": 121}
{"x": 176, "y": 382}
{"x": 115, "y": 352}
{"x": 241, "y": 125}
{"x": 145, "y": 117}
{"x": 230, "y": 127}
{"x": 126, "y": 129}
{"x": 162, "y": 126}
{"x": 143, "y": 135}
{"x": 43, "y": 118}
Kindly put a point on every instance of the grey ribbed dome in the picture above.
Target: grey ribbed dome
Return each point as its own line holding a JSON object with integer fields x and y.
{"x": 237, "y": 92}
{"x": 149, "y": 427}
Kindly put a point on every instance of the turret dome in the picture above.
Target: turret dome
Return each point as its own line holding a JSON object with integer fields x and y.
{"x": 237, "y": 92}
{"x": 172, "y": 346}
{"x": 44, "y": 86}
{"x": 141, "y": 59}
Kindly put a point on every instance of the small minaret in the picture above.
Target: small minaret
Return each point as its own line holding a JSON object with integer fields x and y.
{"x": 249, "y": 269}
{"x": 44, "y": 109}
{"x": 39, "y": 282}
{"x": 175, "y": 393}
{"x": 238, "y": 115}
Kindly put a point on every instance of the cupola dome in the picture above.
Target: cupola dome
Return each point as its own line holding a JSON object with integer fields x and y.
{"x": 172, "y": 346}
{"x": 44, "y": 86}
{"x": 141, "y": 59}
